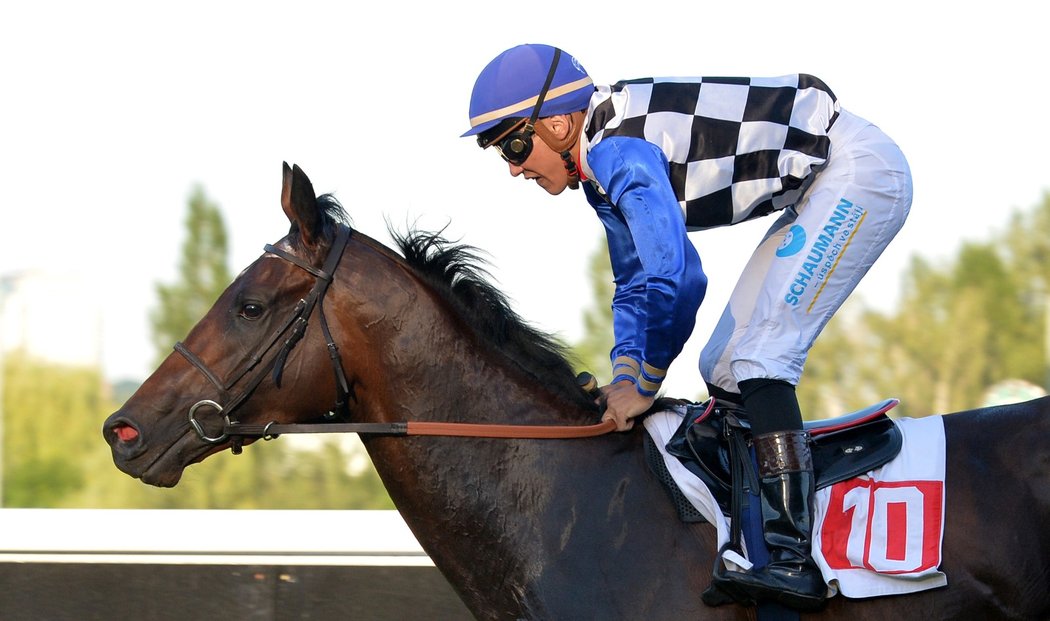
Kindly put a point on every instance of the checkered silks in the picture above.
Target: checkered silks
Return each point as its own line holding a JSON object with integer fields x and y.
{"x": 738, "y": 148}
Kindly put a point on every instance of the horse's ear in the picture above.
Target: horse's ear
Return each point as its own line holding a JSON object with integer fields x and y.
{"x": 300, "y": 204}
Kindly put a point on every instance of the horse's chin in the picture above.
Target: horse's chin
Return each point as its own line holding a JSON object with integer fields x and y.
{"x": 158, "y": 477}
{"x": 167, "y": 469}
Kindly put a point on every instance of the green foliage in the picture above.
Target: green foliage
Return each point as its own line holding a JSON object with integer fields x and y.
{"x": 54, "y": 456}
{"x": 203, "y": 275}
{"x": 961, "y": 327}
{"x": 593, "y": 350}
{"x": 45, "y": 438}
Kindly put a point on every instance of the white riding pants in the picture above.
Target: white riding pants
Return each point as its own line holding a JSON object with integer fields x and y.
{"x": 811, "y": 259}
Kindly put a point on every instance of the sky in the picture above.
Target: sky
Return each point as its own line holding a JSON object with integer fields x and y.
{"x": 112, "y": 112}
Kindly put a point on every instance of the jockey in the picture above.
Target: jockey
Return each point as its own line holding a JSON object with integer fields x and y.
{"x": 658, "y": 157}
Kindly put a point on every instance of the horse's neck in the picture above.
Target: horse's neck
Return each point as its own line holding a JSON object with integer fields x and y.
{"x": 497, "y": 515}
{"x": 513, "y": 524}
{"x": 503, "y": 519}
{"x": 424, "y": 363}
{"x": 474, "y": 504}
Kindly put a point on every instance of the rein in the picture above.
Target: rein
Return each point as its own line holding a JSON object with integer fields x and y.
{"x": 462, "y": 430}
{"x": 295, "y": 328}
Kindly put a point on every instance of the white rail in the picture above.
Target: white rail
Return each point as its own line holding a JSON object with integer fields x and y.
{"x": 224, "y": 537}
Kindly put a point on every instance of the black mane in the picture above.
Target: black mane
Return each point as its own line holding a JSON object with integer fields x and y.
{"x": 455, "y": 273}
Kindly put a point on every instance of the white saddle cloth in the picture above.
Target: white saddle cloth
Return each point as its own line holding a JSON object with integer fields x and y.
{"x": 876, "y": 534}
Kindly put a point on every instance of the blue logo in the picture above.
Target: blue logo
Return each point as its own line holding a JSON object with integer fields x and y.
{"x": 793, "y": 241}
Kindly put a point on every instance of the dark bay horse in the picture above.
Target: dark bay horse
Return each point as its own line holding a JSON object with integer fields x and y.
{"x": 523, "y": 528}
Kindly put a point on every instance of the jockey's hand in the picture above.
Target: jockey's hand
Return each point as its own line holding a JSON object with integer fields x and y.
{"x": 623, "y": 402}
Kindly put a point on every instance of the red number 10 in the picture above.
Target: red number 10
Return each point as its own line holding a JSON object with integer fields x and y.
{"x": 889, "y": 527}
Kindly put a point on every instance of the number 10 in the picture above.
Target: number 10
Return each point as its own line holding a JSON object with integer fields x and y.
{"x": 888, "y": 527}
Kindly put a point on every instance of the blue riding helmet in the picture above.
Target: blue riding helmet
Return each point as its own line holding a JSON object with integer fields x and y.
{"x": 510, "y": 85}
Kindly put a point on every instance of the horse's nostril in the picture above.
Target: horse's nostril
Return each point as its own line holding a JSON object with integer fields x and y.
{"x": 125, "y": 433}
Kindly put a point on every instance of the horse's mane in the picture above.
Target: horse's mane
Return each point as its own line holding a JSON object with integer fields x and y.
{"x": 456, "y": 274}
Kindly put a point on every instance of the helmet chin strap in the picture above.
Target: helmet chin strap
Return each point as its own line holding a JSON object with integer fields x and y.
{"x": 565, "y": 146}
{"x": 571, "y": 169}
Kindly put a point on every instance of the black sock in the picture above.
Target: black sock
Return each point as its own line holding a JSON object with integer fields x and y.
{"x": 771, "y": 405}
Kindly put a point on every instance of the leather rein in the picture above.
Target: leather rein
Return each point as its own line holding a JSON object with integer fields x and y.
{"x": 276, "y": 350}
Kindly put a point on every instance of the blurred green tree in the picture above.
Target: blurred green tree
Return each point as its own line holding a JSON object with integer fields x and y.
{"x": 961, "y": 326}
{"x": 51, "y": 416}
{"x": 592, "y": 351}
{"x": 203, "y": 275}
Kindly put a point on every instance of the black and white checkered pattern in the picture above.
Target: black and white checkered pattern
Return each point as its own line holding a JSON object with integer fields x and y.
{"x": 739, "y": 148}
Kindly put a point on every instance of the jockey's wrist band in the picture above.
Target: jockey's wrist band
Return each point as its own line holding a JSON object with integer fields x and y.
{"x": 647, "y": 393}
{"x": 624, "y": 376}
{"x": 623, "y": 365}
{"x": 650, "y": 380}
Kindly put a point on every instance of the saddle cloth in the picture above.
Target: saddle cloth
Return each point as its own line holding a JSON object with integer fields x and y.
{"x": 876, "y": 534}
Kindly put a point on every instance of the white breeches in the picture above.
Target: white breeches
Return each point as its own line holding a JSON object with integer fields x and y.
{"x": 811, "y": 259}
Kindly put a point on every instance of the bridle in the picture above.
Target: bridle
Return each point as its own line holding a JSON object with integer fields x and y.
{"x": 291, "y": 331}
{"x": 276, "y": 350}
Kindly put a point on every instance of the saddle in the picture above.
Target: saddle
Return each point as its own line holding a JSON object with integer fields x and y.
{"x": 713, "y": 442}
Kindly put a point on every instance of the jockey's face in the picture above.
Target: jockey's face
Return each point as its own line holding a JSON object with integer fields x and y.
{"x": 544, "y": 165}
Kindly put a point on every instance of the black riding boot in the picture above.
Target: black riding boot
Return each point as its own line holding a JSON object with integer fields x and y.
{"x": 791, "y": 578}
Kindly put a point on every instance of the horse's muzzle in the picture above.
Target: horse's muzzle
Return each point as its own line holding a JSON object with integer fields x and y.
{"x": 123, "y": 437}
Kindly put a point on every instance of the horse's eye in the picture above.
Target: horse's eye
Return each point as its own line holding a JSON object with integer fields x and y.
{"x": 251, "y": 311}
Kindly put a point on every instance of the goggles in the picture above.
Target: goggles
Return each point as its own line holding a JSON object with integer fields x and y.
{"x": 511, "y": 138}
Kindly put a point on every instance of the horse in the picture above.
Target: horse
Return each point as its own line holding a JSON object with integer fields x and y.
{"x": 329, "y": 321}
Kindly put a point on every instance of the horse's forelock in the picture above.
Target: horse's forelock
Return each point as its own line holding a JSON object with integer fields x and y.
{"x": 333, "y": 215}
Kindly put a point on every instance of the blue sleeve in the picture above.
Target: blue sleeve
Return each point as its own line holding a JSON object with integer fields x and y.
{"x": 660, "y": 282}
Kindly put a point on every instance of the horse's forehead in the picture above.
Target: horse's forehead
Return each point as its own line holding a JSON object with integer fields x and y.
{"x": 265, "y": 261}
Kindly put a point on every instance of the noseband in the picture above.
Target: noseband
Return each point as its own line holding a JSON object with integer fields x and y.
{"x": 291, "y": 332}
